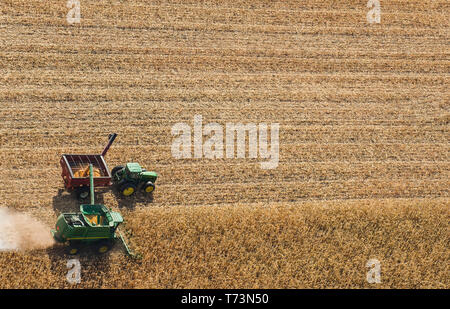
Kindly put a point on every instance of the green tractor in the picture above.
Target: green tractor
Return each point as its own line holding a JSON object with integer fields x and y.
{"x": 132, "y": 177}
{"x": 94, "y": 225}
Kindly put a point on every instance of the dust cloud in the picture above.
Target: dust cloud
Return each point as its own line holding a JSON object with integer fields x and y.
{"x": 21, "y": 232}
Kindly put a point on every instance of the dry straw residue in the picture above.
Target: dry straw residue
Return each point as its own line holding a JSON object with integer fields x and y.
{"x": 363, "y": 113}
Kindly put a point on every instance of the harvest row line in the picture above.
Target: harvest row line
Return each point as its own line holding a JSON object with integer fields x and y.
{"x": 289, "y": 134}
{"x": 308, "y": 152}
{"x": 177, "y": 195}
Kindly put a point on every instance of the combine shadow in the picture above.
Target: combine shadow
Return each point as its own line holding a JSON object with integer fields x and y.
{"x": 95, "y": 268}
{"x": 65, "y": 201}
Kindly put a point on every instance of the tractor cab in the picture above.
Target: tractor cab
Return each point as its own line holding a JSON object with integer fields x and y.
{"x": 133, "y": 170}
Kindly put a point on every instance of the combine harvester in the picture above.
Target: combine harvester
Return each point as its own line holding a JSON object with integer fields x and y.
{"x": 95, "y": 225}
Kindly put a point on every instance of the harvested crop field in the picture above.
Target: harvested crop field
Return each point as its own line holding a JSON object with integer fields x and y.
{"x": 363, "y": 113}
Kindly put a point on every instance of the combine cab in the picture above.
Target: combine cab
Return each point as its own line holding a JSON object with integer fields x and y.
{"x": 94, "y": 225}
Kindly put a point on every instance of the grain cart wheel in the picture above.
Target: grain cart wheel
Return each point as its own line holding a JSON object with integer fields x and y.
{"x": 128, "y": 188}
{"x": 149, "y": 187}
{"x": 83, "y": 193}
{"x": 103, "y": 247}
{"x": 115, "y": 170}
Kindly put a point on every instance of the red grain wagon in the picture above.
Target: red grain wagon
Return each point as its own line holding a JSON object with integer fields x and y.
{"x": 74, "y": 165}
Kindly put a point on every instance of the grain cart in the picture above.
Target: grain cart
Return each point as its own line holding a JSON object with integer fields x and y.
{"x": 94, "y": 225}
{"x": 133, "y": 177}
{"x": 75, "y": 170}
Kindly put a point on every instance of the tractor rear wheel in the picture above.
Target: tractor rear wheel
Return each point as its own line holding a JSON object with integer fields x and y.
{"x": 115, "y": 170}
{"x": 149, "y": 187}
{"x": 128, "y": 188}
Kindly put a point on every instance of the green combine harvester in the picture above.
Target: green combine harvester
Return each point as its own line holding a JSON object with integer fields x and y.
{"x": 95, "y": 225}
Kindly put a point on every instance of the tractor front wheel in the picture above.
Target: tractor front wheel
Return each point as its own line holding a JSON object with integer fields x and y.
{"x": 128, "y": 189}
{"x": 149, "y": 187}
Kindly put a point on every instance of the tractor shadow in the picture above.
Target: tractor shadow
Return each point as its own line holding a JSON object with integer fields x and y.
{"x": 65, "y": 201}
{"x": 130, "y": 202}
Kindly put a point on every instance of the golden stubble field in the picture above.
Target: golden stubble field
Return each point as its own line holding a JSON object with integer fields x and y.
{"x": 364, "y": 139}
